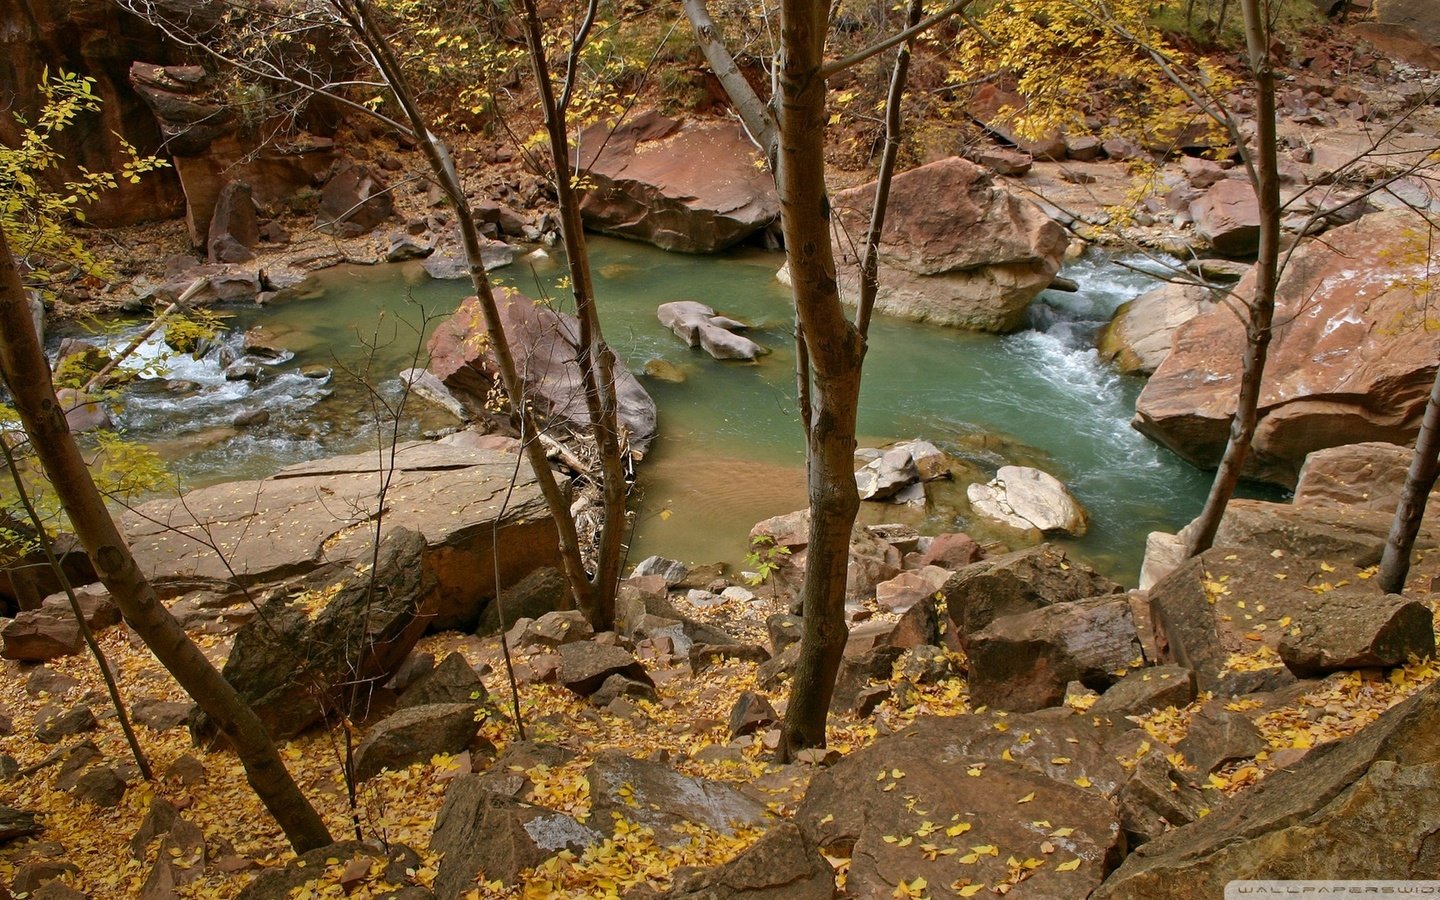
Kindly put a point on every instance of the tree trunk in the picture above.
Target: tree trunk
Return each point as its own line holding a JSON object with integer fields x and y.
{"x": 1261, "y": 307}
{"x": 596, "y": 361}
{"x": 28, "y": 376}
{"x": 357, "y": 14}
{"x": 1410, "y": 511}
{"x": 836, "y": 350}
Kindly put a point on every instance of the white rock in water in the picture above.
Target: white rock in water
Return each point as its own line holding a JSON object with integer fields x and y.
{"x": 1023, "y": 497}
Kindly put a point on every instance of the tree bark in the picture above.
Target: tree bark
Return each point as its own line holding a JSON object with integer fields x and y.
{"x": 595, "y": 359}
{"x": 836, "y": 350}
{"x": 1410, "y": 511}
{"x": 753, "y": 111}
{"x": 357, "y": 13}
{"x": 1261, "y": 307}
{"x": 28, "y": 377}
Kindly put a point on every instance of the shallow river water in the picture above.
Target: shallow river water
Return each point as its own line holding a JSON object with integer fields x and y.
{"x": 729, "y": 451}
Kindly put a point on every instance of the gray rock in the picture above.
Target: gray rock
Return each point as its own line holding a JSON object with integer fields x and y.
{"x": 1217, "y": 737}
{"x": 751, "y": 713}
{"x": 1347, "y": 630}
{"x": 454, "y": 680}
{"x": 882, "y": 478}
{"x": 673, "y": 571}
{"x": 1141, "y": 690}
{"x": 101, "y": 786}
{"x": 782, "y": 865}
{"x": 478, "y": 831}
{"x": 585, "y": 665}
{"x": 414, "y": 735}
{"x": 52, "y": 723}
{"x": 543, "y": 590}
{"x": 658, "y": 797}
{"x": 1019, "y": 582}
{"x": 1024, "y": 662}
{"x": 698, "y": 326}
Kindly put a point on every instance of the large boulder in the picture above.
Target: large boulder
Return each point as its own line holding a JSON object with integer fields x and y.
{"x": 1139, "y": 334}
{"x": 957, "y": 249}
{"x": 1367, "y": 476}
{"x": 1228, "y": 216}
{"x": 1019, "y": 582}
{"x": 1348, "y": 809}
{"x": 304, "y": 517}
{"x": 480, "y": 831}
{"x": 1024, "y": 662}
{"x": 545, "y": 344}
{"x": 1351, "y": 359}
{"x": 414, "y": 735}
{"x": 1340, "y": 630}
{"x": 314, "y": 652}
{"x": 1026, "y": 498}
{"x": 696, "y": 186}
{"x": 354, "y": 201}
{"x": 782, "y": 865}
{"x": 656, "y": 796}
{"x": 698, "y": 326}
{"x": 971, "y": 800}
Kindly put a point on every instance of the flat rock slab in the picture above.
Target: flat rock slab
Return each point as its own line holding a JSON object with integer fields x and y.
{"x": 1352, "y": 806}
{"x": 320, "y": 512}
{"x": 660, "y": 798}
{"x": 909, "y": 806}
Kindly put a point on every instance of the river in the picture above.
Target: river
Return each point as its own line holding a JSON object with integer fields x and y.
{"x": 729, "y": 452}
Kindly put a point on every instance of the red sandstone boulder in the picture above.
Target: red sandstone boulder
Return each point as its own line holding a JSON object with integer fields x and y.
{"x": 1352, "y": 359}
{"x": 1228, "y": 216}
{"x": 696, "y": 187}
{"x": 957, "y": 249}
{"x": 544, "y": 343}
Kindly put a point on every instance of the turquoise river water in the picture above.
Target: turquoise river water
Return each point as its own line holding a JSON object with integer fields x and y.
{"x": 729, "y": 451}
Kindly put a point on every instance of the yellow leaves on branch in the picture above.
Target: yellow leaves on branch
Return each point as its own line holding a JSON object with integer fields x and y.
{"x": 1059, "y": 52}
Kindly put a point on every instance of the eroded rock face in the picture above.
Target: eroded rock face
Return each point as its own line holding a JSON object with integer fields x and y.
{"x": 1228, "y": 216}
{"x": 1347, "y": 807}
{"x": 295, "y": 521}
{"x": 95, "y": 38}
{"x": 957, "y": 249}
{"x": 544, "y": 344}
{"x": 692, "y": 186}
{"x": 1350, "y": 360}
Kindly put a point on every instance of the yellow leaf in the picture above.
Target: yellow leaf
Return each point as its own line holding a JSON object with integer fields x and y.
{"x": 970, "y": 890}
{"x": 957, "y": 829}
{"x": 1070, "y": 866}
{"x": 1007, "y": 756}
{"x": 1027, "y": 798}
{"x": 1083, "y": 781}
{"x": 1061, "y": 760}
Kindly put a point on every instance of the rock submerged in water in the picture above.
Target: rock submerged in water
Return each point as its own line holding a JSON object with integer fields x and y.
{"x": 698, "y": 326}
{"x": 548, "y": 342}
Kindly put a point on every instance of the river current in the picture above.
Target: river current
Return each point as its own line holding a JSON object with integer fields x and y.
{"x": 729, "y": 451}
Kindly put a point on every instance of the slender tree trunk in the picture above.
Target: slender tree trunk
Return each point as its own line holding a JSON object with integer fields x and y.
{"x": 1410, "y": 511}
{"x": 26, "y": 374}
{"x": 1261, "y": 307}
{"x": 596, "y": 361}
{"x": 357, "y": 13}
{"x": 836, "y": 350}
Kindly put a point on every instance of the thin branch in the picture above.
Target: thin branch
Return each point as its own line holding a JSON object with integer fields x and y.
{"x": 840, "y": 65}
